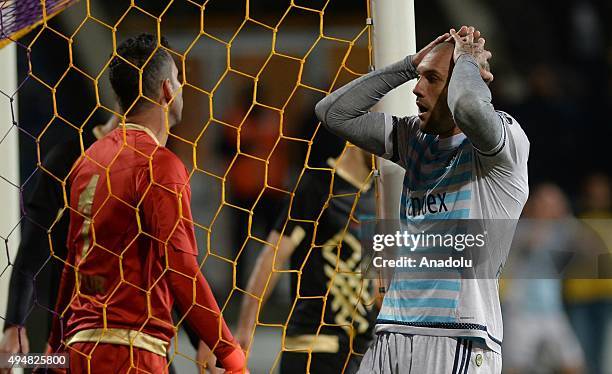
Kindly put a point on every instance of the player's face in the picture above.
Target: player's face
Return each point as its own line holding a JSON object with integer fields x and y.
{"x": 431, "y": 91}
{"x": 176, "y": 109}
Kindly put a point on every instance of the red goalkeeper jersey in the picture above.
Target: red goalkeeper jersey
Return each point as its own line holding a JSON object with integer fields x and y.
{"x": 132, "y": 250}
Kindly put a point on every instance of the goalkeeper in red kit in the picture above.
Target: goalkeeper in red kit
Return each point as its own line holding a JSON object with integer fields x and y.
{"x": 131, "y": 242}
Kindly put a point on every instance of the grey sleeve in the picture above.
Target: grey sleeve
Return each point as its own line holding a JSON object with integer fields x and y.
{"x": 469, "y": 100}
{"x": 345, "y": 112}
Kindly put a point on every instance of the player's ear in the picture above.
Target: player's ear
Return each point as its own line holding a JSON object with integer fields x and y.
{"x": 167, "y": 91}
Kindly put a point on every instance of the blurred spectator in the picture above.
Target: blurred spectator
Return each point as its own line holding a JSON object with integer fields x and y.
{"x": 589, "y": 301}
{"x": 567, "y": 95}
{"x": 550, "y": 119}
{"x": 249, "y": 176}
{"x": 538, "y": 337}
{"x": 597, "y": 197}
{"x": 587, "y": 38}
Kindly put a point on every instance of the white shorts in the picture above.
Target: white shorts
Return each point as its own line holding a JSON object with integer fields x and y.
{"x": 418, "y": 354}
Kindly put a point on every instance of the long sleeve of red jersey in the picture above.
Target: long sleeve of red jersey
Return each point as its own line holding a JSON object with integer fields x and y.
{"x": 193, "y": 294}
{"x": 167, "y": 216}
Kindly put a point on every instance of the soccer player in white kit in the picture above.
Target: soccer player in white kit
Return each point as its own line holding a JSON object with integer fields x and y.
{"x": 463, "y": 160}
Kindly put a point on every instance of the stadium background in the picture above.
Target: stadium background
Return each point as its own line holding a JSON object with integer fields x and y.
{"x": 552, "y": 63}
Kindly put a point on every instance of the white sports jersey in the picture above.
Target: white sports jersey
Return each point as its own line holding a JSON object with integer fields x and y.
{"x": 450, "y": 179}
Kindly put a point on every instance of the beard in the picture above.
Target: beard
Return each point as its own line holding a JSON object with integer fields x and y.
{"x": 175, "y": 114}
{"x": 437, "y": 123}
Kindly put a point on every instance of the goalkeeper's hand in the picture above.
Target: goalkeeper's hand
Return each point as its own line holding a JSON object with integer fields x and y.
{"x": 235, "y": 363}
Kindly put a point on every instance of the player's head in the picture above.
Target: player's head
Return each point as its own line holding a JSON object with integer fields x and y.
{"x": 160, "y": 84}
{"x": 432, "y": 88}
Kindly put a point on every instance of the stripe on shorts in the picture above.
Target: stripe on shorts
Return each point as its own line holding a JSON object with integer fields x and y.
{"x": 456, "y": 356}
{"x": 467, "y": 357}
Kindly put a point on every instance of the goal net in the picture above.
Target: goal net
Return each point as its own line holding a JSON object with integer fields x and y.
{"x": 251, "y": 73}
{"x": 17, "y": 18}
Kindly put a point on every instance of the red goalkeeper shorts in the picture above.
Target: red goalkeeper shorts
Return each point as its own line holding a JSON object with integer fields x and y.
{"x": 115, "y": 359}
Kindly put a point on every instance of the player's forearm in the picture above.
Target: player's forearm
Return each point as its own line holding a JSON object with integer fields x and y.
{"x": 203, "y": 314}
{"x": 258, "y": 283}
{"x": 345, "y": 111}
{"x": 469, "y": 100}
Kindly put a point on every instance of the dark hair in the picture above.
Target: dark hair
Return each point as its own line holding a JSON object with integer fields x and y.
{"x": 124, "y": 78}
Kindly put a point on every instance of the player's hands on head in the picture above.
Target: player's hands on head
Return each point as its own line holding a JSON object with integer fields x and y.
{"x": 464, "y": 31}
{"x": 468, "y": 41}
{"x": 465, "y": 43}
{"x": 418, "y": 57}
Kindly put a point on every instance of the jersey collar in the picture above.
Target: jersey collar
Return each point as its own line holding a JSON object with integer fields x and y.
{"x": 133, "y": 126}
{"x": 451, "y": 142}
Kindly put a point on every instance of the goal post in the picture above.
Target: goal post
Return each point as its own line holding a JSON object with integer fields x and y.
{"x": 394, "y": 37}
{"x": 17, "y": 18}
{"x": 9, "y": 168}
